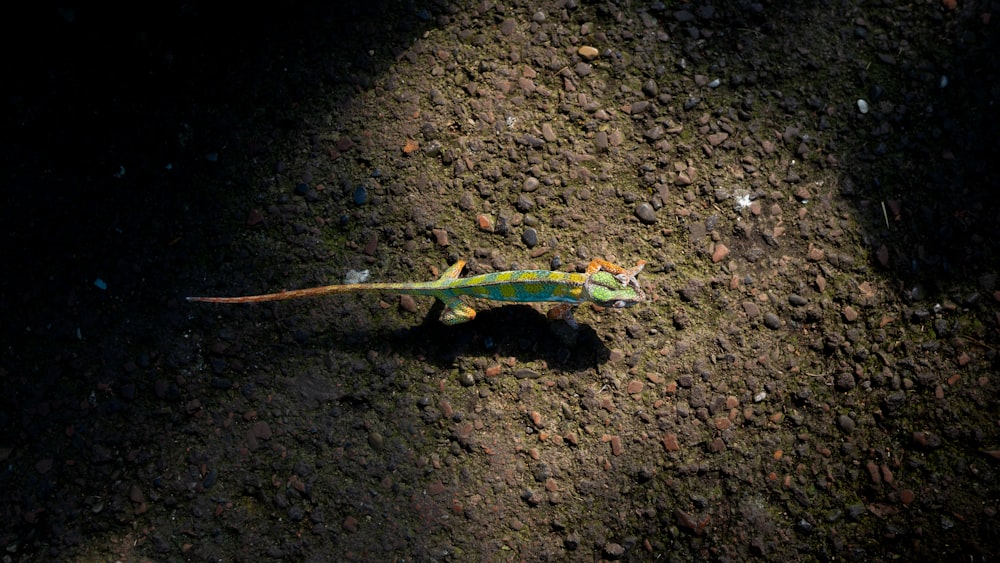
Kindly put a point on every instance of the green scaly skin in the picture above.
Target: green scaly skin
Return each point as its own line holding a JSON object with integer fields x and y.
{"x": 603, "y": 284}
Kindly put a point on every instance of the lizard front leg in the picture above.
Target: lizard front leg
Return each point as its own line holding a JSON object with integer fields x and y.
{"x": 456, "y": 312}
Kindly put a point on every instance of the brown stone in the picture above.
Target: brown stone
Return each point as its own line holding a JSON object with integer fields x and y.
{"x": 371, "y": 246}
{"x": 873, "y": 472}
{"x": 587, "y": 53}
{"x": 135, "y": 494}
{"x": 670, "y": 442}
{"x": 850, "y": 315}
{"x": 616, "y": 446}
{"x": 254, "y": 217}
{"x": 261, "y": 430}
{"x": 820, "y": 283}
{"x": 485, "y": 223}
{"x": 440, "y": 236}
{"x": 407, "y": 303}
{"x": 536, "y": 419}
{"x": 721, "y": 251}
{"x": 717, "y": 139}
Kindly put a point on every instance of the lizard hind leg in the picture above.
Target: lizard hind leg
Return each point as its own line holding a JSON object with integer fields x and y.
{"x": 455, "y": 312}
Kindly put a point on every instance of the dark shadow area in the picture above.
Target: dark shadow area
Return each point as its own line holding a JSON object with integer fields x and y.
{"x": 124, "y": 129}
{"x": 513, "y": 331}
{"x": 926, "y": 145}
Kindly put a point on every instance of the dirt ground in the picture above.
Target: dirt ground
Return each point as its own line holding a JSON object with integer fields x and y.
{"x": 814, "y": 375}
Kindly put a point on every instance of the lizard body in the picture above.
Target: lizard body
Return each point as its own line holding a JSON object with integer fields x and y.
{"x": 603, "y": 283}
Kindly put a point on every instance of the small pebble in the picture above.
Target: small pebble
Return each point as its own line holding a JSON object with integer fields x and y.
{"x": 644, "y": 211}
{"x": 639, "y": 107}
{"x": 548, "y": 133}
{"x": 614, "y": 550}
{"x": 261, "y": 430}
{"x": 440, "y": 236}
{"x": 797, "y": 300}
{"x": 360, "y": 195}
{"x": 601, "y": 141}
{"x": 670, "y": 442}
{"x": 135, "y": 494}
{"x": 254, "y": 217}
{"x": 371, "y": 245}
{"x": 407, "y": 303}
{"x": 862, "y": 106}
{"x": 926, "y": 439}
{"x": 721, "y": 251}
{"x": 485, "y": 223}
{"x": 772, "y": 321}
{"x": 845, "y": 381}
{"x": 587, "y": 53}
{"x": 529, "y": 237}
{"x": 525, "y": 203}
{"x": 616, "y": 446}
{"x": 856, "y": 511}
{"x": 845, "y": 423}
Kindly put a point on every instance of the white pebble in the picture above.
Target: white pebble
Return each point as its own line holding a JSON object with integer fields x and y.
{"x": 862, "y": 106}
{"x": 715, "y": 83}
{"x": 354, "y": 276}
{"x": 943, "y": 82}
{"x": 760, "y": 396}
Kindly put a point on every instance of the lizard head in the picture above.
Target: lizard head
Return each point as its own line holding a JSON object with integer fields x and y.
{"x": 609, "y": 290}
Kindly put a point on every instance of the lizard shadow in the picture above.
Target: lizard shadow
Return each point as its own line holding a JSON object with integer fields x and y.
{"x": 509, "y": 330}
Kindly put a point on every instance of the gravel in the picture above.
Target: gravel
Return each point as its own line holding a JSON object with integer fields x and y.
{"x": 398, "y": 138}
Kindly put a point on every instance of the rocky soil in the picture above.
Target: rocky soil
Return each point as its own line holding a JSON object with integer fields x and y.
{"x": 813, "y": 377}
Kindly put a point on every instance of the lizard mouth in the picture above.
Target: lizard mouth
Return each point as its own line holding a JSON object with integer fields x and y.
{"x": 623, "y": 303}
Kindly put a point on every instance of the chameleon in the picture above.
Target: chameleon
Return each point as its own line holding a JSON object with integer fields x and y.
{"x": 603, "y": 283}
